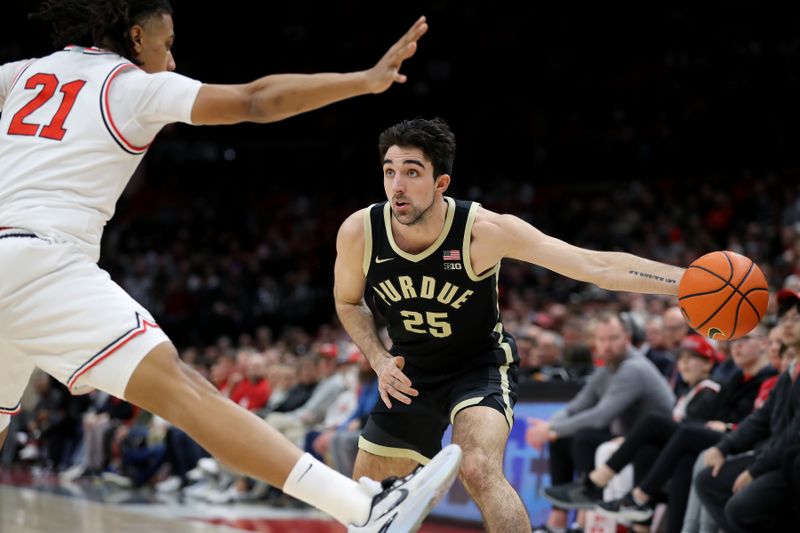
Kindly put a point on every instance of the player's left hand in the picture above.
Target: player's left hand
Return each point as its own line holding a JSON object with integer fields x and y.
{"x": 387, "y": 70}
{"x": 741, "y": 483}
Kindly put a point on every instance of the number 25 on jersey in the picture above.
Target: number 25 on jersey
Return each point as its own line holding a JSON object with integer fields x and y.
{"x": 47, "y": 85}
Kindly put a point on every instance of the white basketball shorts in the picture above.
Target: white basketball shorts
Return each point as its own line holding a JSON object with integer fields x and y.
{"x": 62, "y": 313}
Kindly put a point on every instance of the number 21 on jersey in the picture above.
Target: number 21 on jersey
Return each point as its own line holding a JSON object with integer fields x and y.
{"x": 47, "y": 85}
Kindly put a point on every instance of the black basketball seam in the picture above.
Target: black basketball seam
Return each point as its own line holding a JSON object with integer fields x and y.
{"x": 745, "y": 298}
{"x": 684, "y": 297}
{"x": 735, "y": 290}
{"x": 744, "y": 295}
{"x": 727, "y": 283}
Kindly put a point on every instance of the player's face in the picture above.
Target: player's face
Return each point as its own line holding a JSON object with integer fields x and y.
{"x": 152, "y": 43}
{"x": 409, "y": 184}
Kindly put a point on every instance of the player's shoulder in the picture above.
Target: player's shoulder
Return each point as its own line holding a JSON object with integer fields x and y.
{"x": 353, "y": 225}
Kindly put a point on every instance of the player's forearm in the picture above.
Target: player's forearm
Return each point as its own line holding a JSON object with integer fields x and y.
{"x": 359, "y": 323}
{"x": 283, "y": 95}
{"x": 619, "y": 271}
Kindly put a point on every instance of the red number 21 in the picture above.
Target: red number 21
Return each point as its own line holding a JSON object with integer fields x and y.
{"x": 55, "y": 129}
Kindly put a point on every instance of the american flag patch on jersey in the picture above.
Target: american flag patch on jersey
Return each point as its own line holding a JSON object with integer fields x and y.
{"x": 452, "y": 255}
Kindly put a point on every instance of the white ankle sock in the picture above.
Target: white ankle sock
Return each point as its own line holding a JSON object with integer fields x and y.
{"x": 327, "y": 490}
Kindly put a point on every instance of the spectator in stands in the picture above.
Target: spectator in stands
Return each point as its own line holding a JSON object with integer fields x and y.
{"x": 341, "y": 443}
{"x": 307, "y": 379}
{"x": 672, "y": 460}
{"x": 253, "y": 390}
{"x": 747, "y": 491}
{"x": 644, "y": 442}
{"x": 105, "y": 414}
{"x": 626, "y": 389}
{"x": 656, "y": 348}
{"x": 675, "y": 330}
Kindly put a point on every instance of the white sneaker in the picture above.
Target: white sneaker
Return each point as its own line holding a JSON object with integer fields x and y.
{"x": 171, "y": 484}
{"x": 116, "y": 479}
{"x": 72, "y": 473}
{"x": 404, "y": 503}
{"x": 209, "y": 465}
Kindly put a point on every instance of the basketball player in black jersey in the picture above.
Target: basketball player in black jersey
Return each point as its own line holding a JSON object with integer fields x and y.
{"x": 432, "y": 263}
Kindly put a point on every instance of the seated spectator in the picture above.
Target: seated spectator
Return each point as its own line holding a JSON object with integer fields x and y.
{"x": 655, "y": 347}
{"x": 299, "y": 394}
{"x": 696, "y": 519}
{"x": 105, "y": 414}
{"x": 341, "y": 443}
{"x": 746, "y": 492}
{"x": 644, "y": 441}
{"x": 54, "y": 427}
{"x": 548, "y": 357}
{"x": 253, "y": 390}
{"x": 626, "y": 389}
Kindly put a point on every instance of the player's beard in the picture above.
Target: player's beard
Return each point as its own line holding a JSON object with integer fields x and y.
{"x": 414, "y": 216}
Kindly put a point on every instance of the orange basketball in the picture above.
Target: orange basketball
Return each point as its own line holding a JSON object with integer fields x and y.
{"x": 723, "y": 295}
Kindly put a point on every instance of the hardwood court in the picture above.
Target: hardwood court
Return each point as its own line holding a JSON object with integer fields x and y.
{"x": 28, "y": 510}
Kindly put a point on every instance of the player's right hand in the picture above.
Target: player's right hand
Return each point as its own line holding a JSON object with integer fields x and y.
{"x": 392, "y": 382}
{"x": 387, "y": 70}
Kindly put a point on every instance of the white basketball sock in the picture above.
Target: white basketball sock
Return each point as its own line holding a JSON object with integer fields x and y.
{"x": 327, "y": 490}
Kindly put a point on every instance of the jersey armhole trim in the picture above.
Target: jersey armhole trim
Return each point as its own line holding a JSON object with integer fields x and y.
{"x": 473, "y": 210}
{"x": 105, "y": 112}
{"x": 367, "y": 259}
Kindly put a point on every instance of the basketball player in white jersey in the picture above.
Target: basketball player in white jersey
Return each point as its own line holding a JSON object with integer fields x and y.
{"x": 74, "y": 126}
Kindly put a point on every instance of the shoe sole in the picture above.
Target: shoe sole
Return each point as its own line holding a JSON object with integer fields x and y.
{"x": 444, "y": 469}
{"x": 626, "y": 516}
{"x": 566, "y": 505}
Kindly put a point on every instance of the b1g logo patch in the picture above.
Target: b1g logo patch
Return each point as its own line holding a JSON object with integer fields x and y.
{"x": 452, "y": 266}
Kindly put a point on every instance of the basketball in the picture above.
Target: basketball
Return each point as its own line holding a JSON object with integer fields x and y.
{"x": 723, "y": 295}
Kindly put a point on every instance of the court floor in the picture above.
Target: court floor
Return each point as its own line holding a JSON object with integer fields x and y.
{"x": 36, "y": 503}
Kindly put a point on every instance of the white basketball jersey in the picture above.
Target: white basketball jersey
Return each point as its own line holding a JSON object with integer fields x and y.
{"x": 73, "y": 129}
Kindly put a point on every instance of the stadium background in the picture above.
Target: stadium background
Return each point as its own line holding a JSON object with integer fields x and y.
{"x": 665, "y": 130}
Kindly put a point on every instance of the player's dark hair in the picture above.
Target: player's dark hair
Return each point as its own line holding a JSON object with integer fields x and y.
{"x": 102, "y": 23}
{"x": 433, "y": 137}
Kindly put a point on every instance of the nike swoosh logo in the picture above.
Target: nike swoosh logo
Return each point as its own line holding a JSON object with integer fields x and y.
{"x": 403, "y": 495}
{"x": 378, "y": 260}
{"x": 388, "y": 523}
{"x": 304, "y": 473}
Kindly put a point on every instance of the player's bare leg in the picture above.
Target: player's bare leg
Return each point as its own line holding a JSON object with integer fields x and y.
{"x": 164, "y": 385}
{"x": 3, "y": 437}
{"x": 482, "y": 433}
{"x": 169, "y": 388}
{"x": 377, "y": 467}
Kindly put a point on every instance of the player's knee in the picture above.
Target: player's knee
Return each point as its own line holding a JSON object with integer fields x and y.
{"x": 478, "y": 472}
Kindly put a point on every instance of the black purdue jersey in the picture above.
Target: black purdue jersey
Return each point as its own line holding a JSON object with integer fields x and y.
{"x": 440, "y": 313}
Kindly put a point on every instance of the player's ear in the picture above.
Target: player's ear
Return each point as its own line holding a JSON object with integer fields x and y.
{"x": 442, "y": 182}
{"x": 136, "y": 37}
